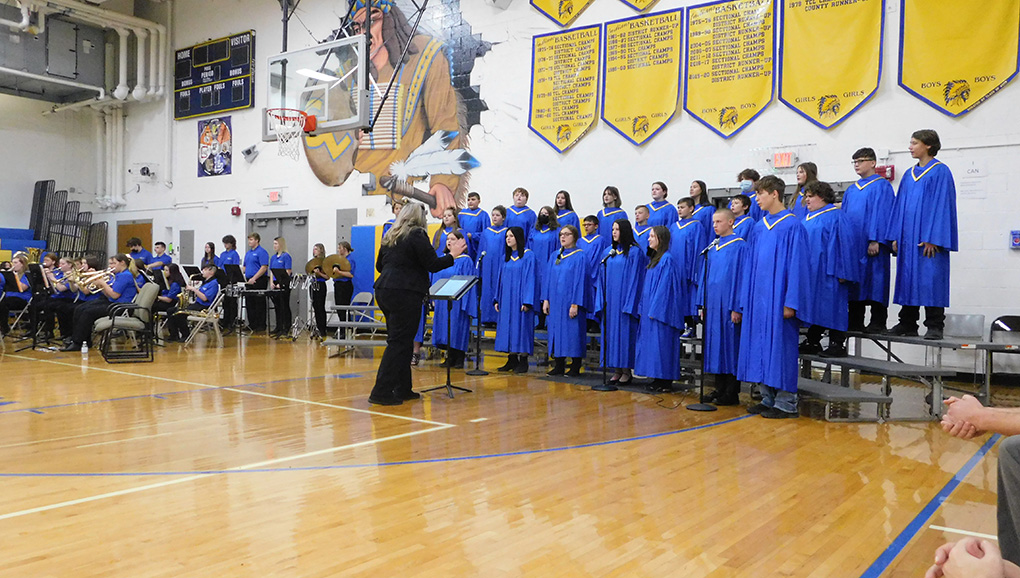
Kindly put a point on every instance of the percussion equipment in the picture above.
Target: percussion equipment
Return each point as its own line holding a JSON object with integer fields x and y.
{"x": 335, "y": 264}
{"x": 312, "y": 265}
{"x": 297, "y": 281}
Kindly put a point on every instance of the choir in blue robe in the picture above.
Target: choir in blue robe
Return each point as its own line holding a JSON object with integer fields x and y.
{"x": 386, "y": 226}
{"x": 565, "y": 217}
{"x": 566, "y": 284}
{"x": 492, "y": 244}
{"x": 419, "y": 337}
{"x": 664, "y": 303}
{"x": 620, "y": 287}
{"x": 662, "y": 213}
{"x": 799, "y": 209}
{"x": 869, "y": 204}
{"x": 755, "y": 211}
{"x": 523, "y": 217}
{"x": 685, "y": 244}
{"x": 462, "y": 312}
{"x": 925, "y": 212}
{"x": 473, "y": 223}
{"x": 641, "y": 235}
{"x": 704, "y": 214}
{"x": 833, "y": 254}
{"x": 593, "y": 247}
{"x": 775, "y": 276}
{"x": 742, "y": 226}
{"x": 543, "y": 242}
{"x": 725, "y": 262}
{"x": 440, "y": 247}
{"x": 517, "y": 286}
{"x": 607, "y": 216}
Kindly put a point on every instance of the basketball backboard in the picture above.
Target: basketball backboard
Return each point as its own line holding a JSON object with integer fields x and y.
{"x": 328, "y": 81}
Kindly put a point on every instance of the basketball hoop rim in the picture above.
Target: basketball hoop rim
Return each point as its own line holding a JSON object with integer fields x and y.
{"x": 285, "y": 115}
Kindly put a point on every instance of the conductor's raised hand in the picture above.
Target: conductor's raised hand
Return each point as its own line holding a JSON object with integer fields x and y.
{"x": 458, "y": 247}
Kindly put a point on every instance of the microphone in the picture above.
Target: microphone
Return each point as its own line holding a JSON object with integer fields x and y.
{"x": 611, "y": 254}
{"x": 714, "y": 243}
{"x": 480, "y": 257}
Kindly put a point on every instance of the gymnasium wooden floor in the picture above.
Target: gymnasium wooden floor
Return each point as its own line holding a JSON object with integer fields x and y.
{"x": 265, "y": 459}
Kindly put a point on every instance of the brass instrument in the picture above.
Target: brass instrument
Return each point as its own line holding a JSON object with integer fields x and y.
{"x": 90, "y": 280}
{"x": 333, "y": 262}
{"x": 186, "y": 297}
{"x": 34, "y": 254}
{"x": 312, "y": 265}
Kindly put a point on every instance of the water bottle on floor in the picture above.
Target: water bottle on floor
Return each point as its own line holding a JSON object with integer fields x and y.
{"x": 84, "y": 351}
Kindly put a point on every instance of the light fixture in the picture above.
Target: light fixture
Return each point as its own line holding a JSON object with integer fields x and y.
{"x": 317, "y": 75}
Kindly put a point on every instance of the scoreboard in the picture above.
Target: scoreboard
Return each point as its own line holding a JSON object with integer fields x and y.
{"x": 215, "y": 76}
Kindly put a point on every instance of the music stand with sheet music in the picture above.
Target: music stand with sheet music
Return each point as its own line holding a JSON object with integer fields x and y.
{"x": 450, "y": 289}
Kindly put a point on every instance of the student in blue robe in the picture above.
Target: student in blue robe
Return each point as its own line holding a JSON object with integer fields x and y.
{"x": 742, "y": 221}
{"x": 456, "y": 343}
{"x": 664, "y": 303}
{"x": 641, "y": 227}
{"x": 450, "y": 224}
{"x": 923, "y": 230}
{"x": 395, "y": 207}
{"x": 718, "y": 302}
{"x": 520, "y": 215}
{"x": 869, "y": 203}
{"x": 610, "y": 212}
{"x": 833, "y": 266}
{"x": 473, "y": 221}
{"x": 516, "y": 298}
{"x": 686, "y": 243}
{"x": 593, "y": 245}
{"x": 774, "y": 288}
{"x": 491, "y": 247}
{"x": 619, "y": 286}
{"x": 807, "y": 173}
{"x": 703, "y": 211}
{"x": 565, "y": 214}
{"x": 544, "y": 240}
{"x": 748, "y": 180}
{"x": 660, "y": 211}
{"x": 566, "y": 299}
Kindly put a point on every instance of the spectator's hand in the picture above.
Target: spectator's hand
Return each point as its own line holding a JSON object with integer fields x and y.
{"x": 971, "y": 558}
{"x": 941, "y": 556}
{"x": 962, "y": 430}
{"x": 964, "y": 409}
{"x": 872, "y": 248}
{"x": 496, "y": 305}
{"x": 929, "y": 250}
{"x": 789, "y": 313}
{"x": 736, "y": 317}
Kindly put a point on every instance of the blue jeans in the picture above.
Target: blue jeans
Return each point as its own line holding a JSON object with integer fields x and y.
{"x": 777, "y": 398}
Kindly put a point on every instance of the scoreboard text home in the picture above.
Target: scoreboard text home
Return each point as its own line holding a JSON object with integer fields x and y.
{"x": 215, "y": 76}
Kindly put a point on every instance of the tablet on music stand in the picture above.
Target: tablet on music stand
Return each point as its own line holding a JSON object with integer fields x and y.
{"x": 452, "y": 288}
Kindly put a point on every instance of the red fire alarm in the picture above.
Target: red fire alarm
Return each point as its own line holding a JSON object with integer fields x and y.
{"x": 235, "y": 211}
{"x": 887, "y": 172}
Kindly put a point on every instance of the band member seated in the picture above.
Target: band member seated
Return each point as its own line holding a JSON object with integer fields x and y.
{"x": 62, "y": 295}
{"x": 204, "y": 297}
{"x": 137, "y": 251}
{"x": 121, "y": 290}
{"x": 160, "y": 260}
{"x": 82, "y": 295}
{"x": 15, "y": 297}
{"x": 169, "y": 297}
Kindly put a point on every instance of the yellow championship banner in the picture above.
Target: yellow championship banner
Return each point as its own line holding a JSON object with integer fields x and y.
{"x": 641, "y": 73}
{"x": 954, "y": 55}
{"x": 639, "y": 5}
{"x": 562, "y": 12}
{"x": 730, "y": 65}
{"x": 826, "y": 90}
{"x": 565, "y": 85}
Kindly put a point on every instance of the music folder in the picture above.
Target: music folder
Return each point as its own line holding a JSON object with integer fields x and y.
{"x": 161, "y": 281}
{"x": 9, "y": 282}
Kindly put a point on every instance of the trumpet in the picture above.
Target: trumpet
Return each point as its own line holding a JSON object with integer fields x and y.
{"x": 90, "y": 280}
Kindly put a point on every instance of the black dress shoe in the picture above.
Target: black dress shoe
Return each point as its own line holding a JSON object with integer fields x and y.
{"x": 904, "y": 330}
{"x": 385, "y": 400}
{"x": 776, "y": 413}
{"x": 809, "y": 348}
{"x": 511, "y": 363}
{"x": 727, "y": 401}
{"x": 71, "y": 347}
{"x": 834, "y": 351}
{"x": 876, "y": 329}
{"x": 933, "y": 334}
{"x": 408, "y": 396}
{"x": 713, "y": 397}
{"x": 522, "y": 364}
{"x": 757, "y": 409}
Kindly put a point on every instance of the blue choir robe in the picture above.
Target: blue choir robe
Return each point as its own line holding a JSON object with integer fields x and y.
{"x": 869, "y": 203}
{"x": 594, "y": 247}
{"x": 724, "y": 263}
{"x": 517, "y": 286}
{"x": 834, "y": 250}
{"x": 543, "y": 242}
{"x": 664, "y": 303}
{"x": 443, "y": 233}
{"x": 755, "y": 211}
{"x": 641, "y": 236}
{"x": 775, "y": 276}
{"x": 566, "y": 284}
{"x": 924, "y": 212}
{"x": 473, "y": 223}
{"x": 462, "y": 312}
{"x": 419, "y": 337}
{"x": 662, "y": 213}
{"x": 607, "y": 216}
{"x": 386, "y": 226}
{"x": 619, "y": 286}
{"x": 565, "y": 217}
{"x": 742, "y": 226}
{"x": 704, "y": 215}
{"x": 799, "y": 209}
{"x": 523, "y": 217}
{"x": 685, "y": 244}
{"x": 493, "y": 244}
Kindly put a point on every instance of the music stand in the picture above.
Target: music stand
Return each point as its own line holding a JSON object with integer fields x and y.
{"x": 160, "y": 282}
{"x": 702, "y": 405}
{"x": 192, "y": 272}
{"x": 37, "y": 286}
{"x": 235, "y": 276}
{"x": 450, "y": 289}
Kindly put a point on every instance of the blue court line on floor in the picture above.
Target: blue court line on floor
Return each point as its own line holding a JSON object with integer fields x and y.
{"x": 261, "y": 385}
{"x": 372, "y": 465}
{"x": 900, "y": 542}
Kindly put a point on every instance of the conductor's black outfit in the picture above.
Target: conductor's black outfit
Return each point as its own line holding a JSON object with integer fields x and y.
{"x": 400, "y": 289}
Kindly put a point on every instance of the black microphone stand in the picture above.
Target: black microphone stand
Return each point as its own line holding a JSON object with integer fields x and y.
{"x": 701, "y": 405}
{"x": 606, "y": 386}
{"x": 478, "y": 322}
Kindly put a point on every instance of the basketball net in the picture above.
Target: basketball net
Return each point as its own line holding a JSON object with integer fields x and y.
{"x": 288, "y": 125}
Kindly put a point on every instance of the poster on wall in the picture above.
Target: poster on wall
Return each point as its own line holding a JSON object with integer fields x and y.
{"x": 954, "y": 55}
{"x": 730, "y": 65}
{"x": 562, "y": 12}
{"x": 828, "y": 90}
{"x": 565, "y": 85}
{"x": 214, "y": 147}
{"x": 641, "y": 71}
{"x": 639, "y": 5}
